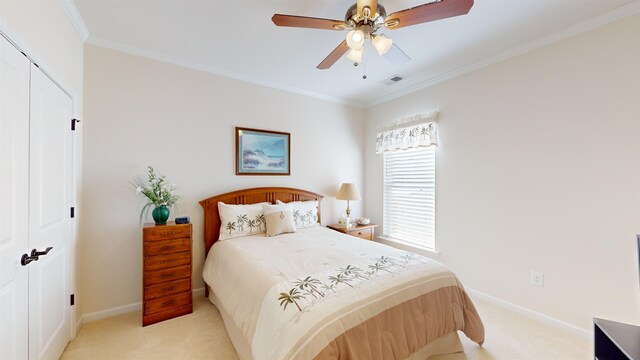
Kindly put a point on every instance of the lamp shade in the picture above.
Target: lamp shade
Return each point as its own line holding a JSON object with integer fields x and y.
{"x": 355, "y": 39}
{"x": 348, "y": 191}
{"x": 355, "y": 55}
{"x": 381, "y": 43}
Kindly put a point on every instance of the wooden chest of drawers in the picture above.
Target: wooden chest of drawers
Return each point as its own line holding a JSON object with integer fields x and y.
{"x": 166, "y": 281}
{"x": 366, "y": 232}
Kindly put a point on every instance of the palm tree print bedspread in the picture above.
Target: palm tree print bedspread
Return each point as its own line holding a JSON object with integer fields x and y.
{"x": 295, "y": 311}
{"x": 307, "y": 290}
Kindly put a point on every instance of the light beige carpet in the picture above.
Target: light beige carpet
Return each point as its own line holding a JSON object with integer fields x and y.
{"x": 202, "y": 335}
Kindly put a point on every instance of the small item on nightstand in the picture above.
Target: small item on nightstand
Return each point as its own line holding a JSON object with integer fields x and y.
{"x": 182, "y": 220}
{"x": 362, "y": 221}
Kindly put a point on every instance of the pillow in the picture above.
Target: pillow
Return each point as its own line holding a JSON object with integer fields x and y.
{"x": 279, "y": 219}
{"x": 305, "y": 213}
{"x": 240, "y": 220}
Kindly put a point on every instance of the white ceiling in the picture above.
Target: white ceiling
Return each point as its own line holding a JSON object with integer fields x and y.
{"x": 237, "y": 39}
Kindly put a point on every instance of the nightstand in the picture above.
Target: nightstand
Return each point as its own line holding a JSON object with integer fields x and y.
{"x": 366, "y": 232}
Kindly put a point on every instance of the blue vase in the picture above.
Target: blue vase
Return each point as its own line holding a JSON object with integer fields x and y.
{"x": 160, "y": 214}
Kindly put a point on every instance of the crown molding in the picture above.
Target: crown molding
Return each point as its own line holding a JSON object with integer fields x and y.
{"x": 98, "y": 41}
{"x": 75, "y": 18}
{"x": 81, "y": 28}
{"x": 595, "y": 22}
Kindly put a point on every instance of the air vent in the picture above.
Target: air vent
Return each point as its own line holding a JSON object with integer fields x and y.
{"x": 392, "y": 80}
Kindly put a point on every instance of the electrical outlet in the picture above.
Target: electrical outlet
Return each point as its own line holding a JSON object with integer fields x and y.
{"x": 537, "y": 278}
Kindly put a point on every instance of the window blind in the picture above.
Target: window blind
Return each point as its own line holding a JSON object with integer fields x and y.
{"x": 409, "y": 196}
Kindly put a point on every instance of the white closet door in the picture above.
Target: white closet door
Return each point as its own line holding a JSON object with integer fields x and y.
{"x": 14, "y": 200}
{"x": 50, "y": 187}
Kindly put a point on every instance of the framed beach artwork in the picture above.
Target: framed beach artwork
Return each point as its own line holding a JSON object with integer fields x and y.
{"x": 262, "y": 152}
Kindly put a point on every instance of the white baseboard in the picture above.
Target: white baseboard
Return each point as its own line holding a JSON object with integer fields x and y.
{"x": 198, "y": 292}
{"x": 103, "y": 314}
{"x": 119, "y": 310}
{"x": 532, "y": 314}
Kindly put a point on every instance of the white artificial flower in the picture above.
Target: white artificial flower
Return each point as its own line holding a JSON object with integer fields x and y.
{"x": 138, "y": 190}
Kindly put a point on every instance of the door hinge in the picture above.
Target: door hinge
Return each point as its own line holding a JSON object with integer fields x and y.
{"x": 73, "y": 212}
{"x": 73, "y": 124}
{"x": 73, "y": 299}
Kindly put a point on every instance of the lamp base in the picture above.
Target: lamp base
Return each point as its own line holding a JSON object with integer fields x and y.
{"x": 345, "y": 222}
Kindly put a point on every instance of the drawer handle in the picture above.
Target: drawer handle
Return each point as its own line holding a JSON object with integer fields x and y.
{"x": 168, "y": 303}
{"x": 164, "y": 276}
{"x": 168, "y": 261}
{"x": 168, "y": 233}
{"x": 170, "y": 288}
{"x": 168, "y": 247}
{"x": 360, "y": 233}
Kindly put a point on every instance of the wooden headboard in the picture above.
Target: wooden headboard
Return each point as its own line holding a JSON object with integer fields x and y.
{"x": 247, "y": 196}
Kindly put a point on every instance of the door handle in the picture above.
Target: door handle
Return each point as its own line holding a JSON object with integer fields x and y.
{"x": 26, "y": 259}
{"x": 37, "y": 253}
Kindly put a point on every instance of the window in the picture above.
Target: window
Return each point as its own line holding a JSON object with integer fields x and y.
{"x": 409, "y": 196}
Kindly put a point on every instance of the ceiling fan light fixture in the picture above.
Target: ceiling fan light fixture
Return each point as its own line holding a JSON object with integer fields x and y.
{"x": 365, "y": 17}
{"x": 355, "y": 55}
{"x": 382, "y": 43}
{"x": 355, "y": 39}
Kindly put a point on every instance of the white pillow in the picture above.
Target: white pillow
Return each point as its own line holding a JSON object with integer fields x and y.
{"x": 240, "y": 220}
{"x": 305, "y": 213}
{"x": 279, "y": 219}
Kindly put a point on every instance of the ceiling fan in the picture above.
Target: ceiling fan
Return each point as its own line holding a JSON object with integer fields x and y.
{"x": 365, "y": 18}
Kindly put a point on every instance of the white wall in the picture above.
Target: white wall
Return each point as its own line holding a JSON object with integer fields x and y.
{"x": 538, "y": 168}
{"x": 143, "y": 112}
{"x": 44, "y": 32}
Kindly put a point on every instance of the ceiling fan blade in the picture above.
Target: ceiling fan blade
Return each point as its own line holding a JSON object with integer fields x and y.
{"x": 427, "y": 12}
{"x": 372, "y": 4}
{"x": 335, "y": 55}
{"x": 396, "y": 56}
{"x": 307, "y": 22}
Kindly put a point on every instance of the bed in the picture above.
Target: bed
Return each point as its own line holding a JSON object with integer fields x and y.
{"x": 320, "y": 294}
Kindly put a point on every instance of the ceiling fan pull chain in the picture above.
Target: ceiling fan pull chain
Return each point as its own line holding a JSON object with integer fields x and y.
{"x": 364, "y": 67}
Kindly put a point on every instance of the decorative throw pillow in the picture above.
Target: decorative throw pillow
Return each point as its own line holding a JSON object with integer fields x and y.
{"x": 279, "y": 219}
{"x": 241, "y": 220}
{"x": 305, "y": 213}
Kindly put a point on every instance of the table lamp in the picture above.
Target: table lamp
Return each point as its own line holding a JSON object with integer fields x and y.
{"x": 348, "y": 191}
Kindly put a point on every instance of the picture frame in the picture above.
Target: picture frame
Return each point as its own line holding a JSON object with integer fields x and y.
{"x": 262, "y": 152}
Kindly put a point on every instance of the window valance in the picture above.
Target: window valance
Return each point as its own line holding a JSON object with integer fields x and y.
{"x": 413, "y": 132}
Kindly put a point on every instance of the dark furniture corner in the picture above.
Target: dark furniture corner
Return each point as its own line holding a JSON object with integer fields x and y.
{"x": 615, "y": 341}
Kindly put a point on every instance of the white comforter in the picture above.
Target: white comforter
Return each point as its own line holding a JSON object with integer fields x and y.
{"x": 250, "y": 275}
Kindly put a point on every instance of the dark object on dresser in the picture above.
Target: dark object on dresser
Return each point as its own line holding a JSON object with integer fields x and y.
{"x": 166, "y": 284}
{"x": 182, "y": 220}
{"x": 615, "y": 341}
